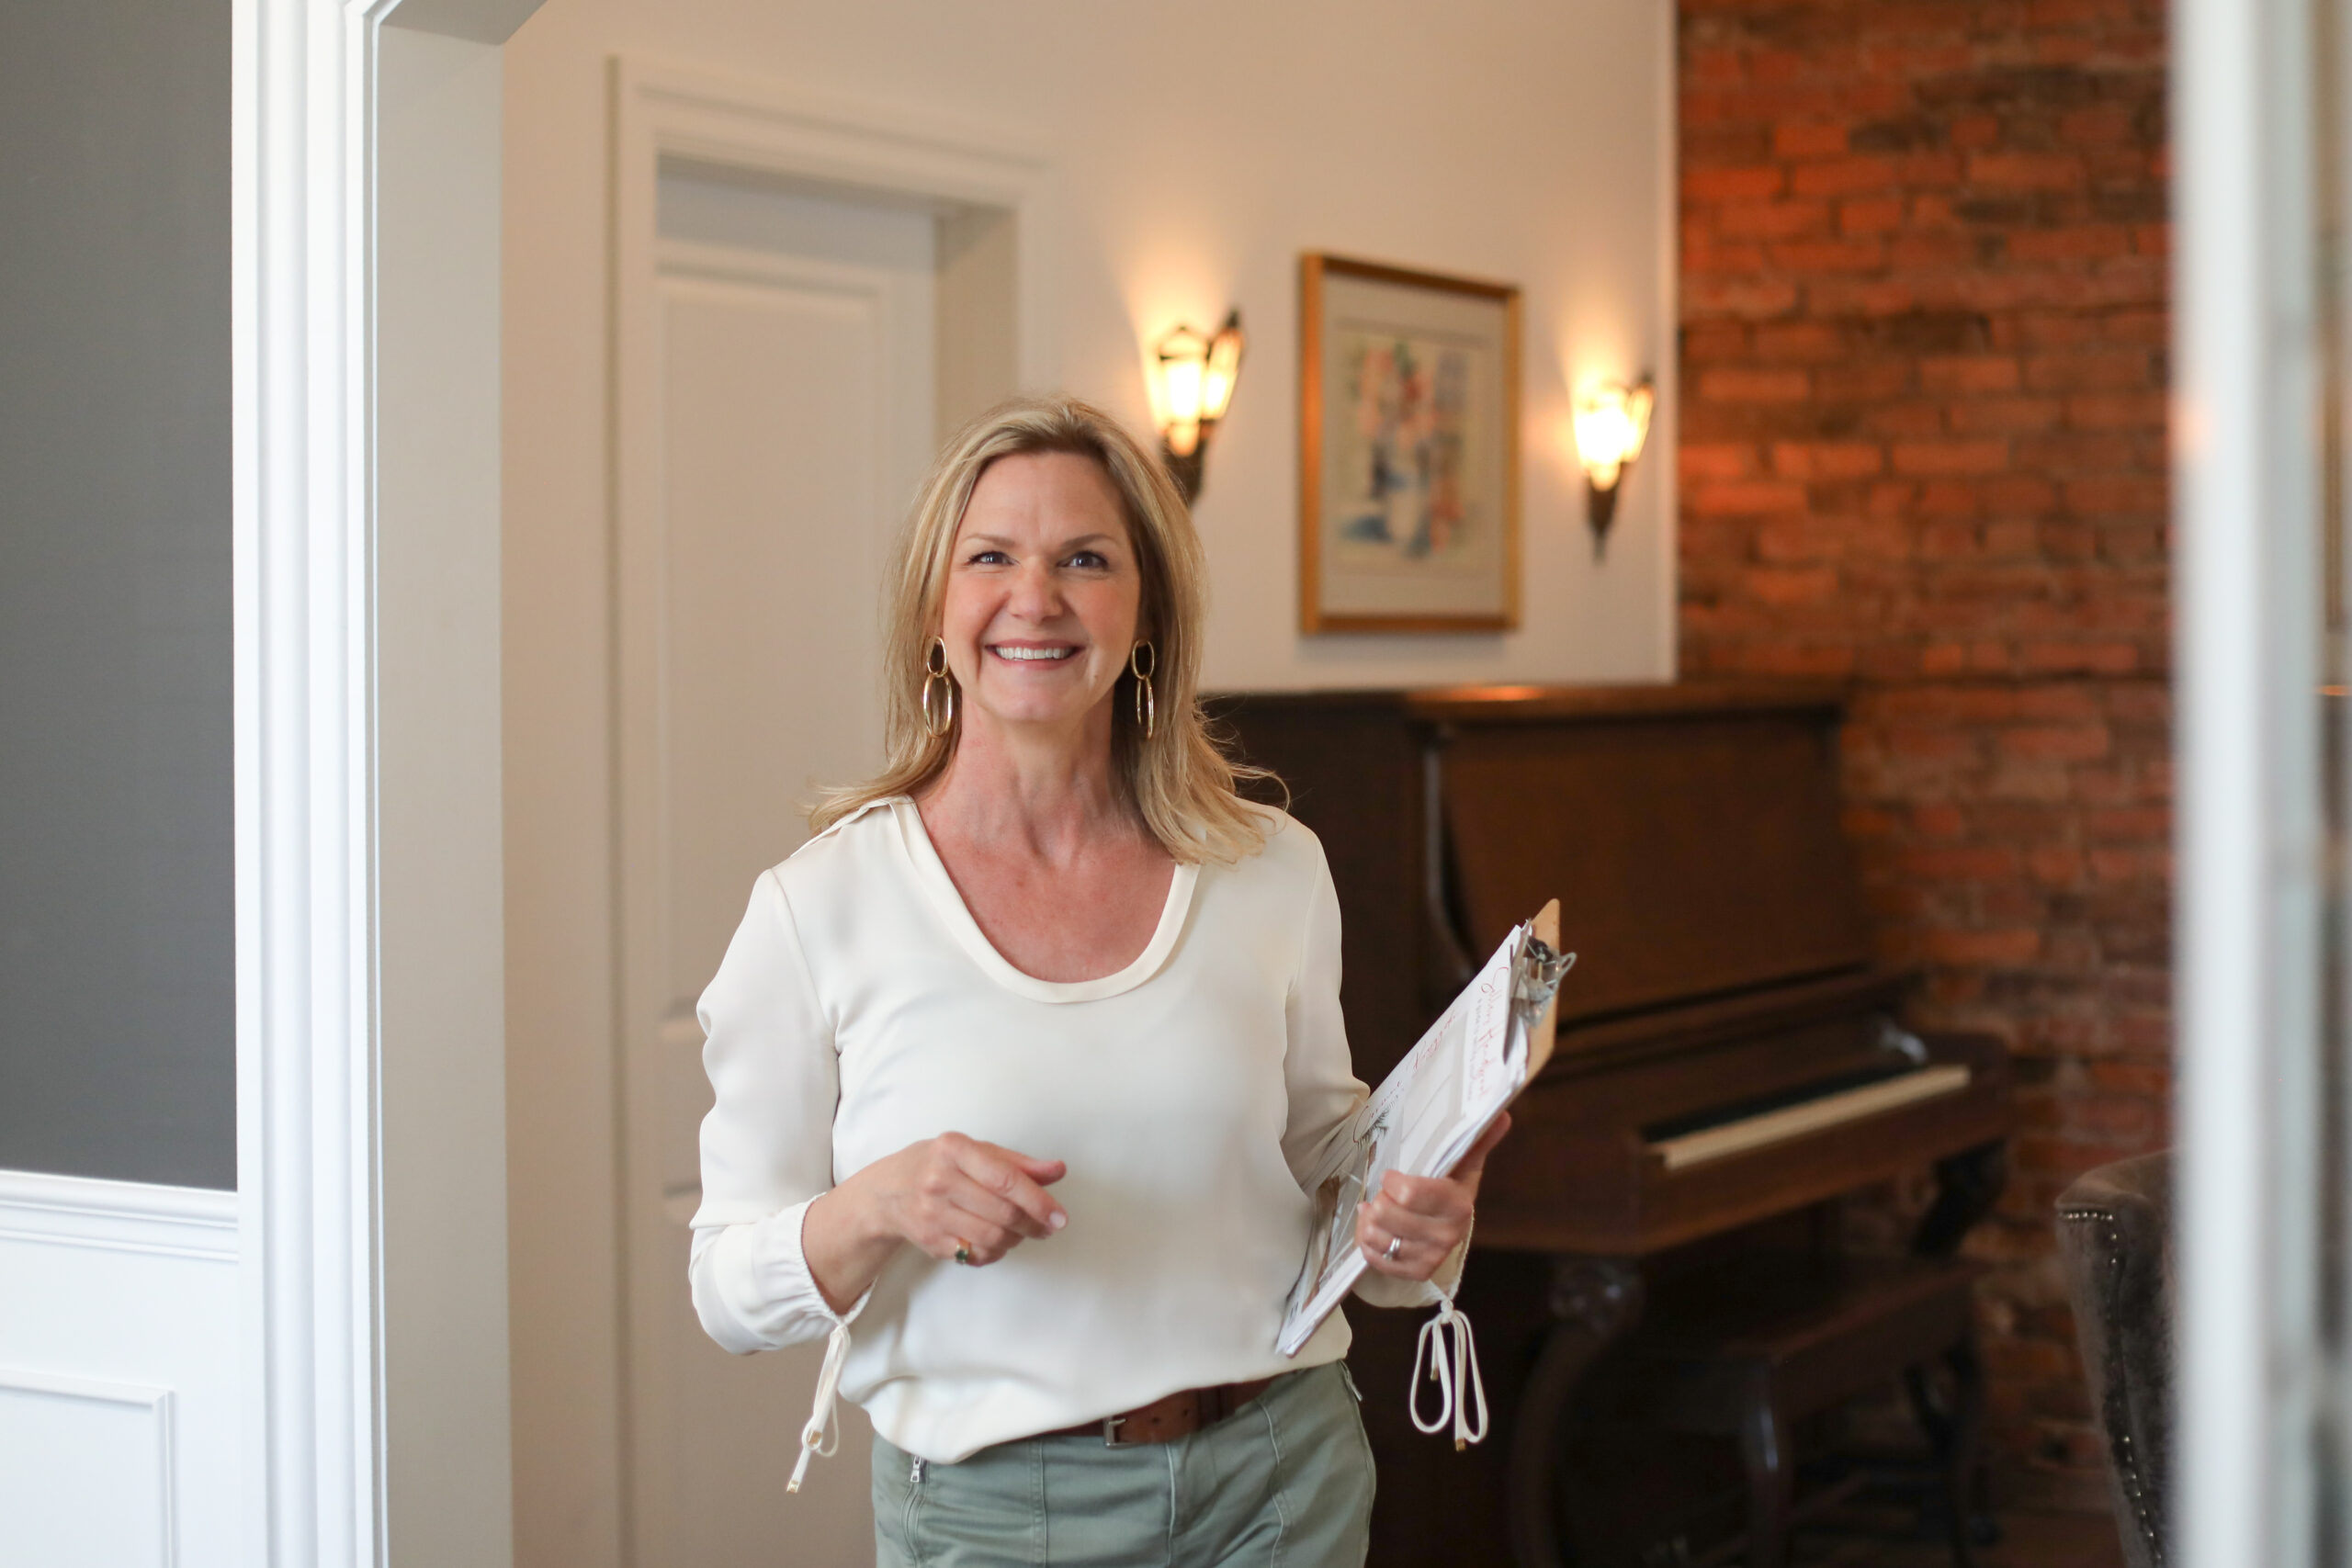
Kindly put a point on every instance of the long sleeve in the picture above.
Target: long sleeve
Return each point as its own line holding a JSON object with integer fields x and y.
{"x": 1320, "y": 1077}
{"x": 767, "y": 1144}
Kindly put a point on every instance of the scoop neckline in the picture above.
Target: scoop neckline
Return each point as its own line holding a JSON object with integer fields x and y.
{"x": 931, "y": 873}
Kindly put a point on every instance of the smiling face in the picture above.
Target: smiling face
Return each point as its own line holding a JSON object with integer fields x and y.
{"x": 1043, "y": 594}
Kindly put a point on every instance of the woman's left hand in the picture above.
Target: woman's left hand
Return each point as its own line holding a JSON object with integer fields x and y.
{"x": 1426, "y": 1216}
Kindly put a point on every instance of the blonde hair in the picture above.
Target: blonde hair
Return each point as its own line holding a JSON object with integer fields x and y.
{"x": 1178, "y": 779}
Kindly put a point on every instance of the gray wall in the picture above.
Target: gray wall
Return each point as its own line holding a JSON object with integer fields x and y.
{"x": 116, "y": 1026}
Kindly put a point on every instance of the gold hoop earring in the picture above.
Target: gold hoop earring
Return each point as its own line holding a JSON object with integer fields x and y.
{"x": 1147, "y": 705}
{"x": 934, "y": 673}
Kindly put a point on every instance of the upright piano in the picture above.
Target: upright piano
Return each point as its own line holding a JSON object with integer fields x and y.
{"x": 1730, "y": 1058}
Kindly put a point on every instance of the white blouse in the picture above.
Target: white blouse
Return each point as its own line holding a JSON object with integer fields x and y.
{"x": 860, "y": 1009}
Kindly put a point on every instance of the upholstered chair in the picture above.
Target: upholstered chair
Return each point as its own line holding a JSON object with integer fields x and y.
{"x": 2115, "y": 1238}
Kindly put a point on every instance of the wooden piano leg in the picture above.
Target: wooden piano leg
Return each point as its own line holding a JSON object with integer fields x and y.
{"x": 1967, "y": 1186}
{"x": 1594, "y": 1301}
{"x": 1764, "y": 1451}
{"x": 1970, "y": 1518}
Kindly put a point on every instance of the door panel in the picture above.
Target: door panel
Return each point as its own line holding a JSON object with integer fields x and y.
{"x": 794, "y": 413}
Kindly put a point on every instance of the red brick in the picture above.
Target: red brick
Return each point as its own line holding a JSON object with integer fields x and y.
{"x": 1925, "y": 170}
{"x": 1783, "y": 65}
{"x": 2117, "y": 411}
{"x": 2077, "y": 454}
{"x": 1799, "y": 140}
{"x": 1993, "y": 947}
{"x": 2129, "y": 822}
{"x": 1723, "y": 461}
{"x": 1729, "y": 385}
{"x": 1771, "y": 220}
{"x": 2101, "y": 124}
{"x": 1847, "y": 176}
{"x": 1785, "y": 586}
{"x": 1924, "y": 458}
{"x": 1942, "y": 659}
{"x": 1799, "y": 343}
{"x": 1939, "y": 820}
{"x": 2056, "y": 329}
{"x": 1750, "y": 298}
{"x": 1827, "y": 460}
{"x": 2130, "y": 1078}
{"x": 2070, "y": 743}
{"x": 1878, "y": 214}
{"x": 1827, "y": 255}
{"x": 1969, "y": 373}
{"x": 2104, "y": 369}
{"x": 1929, "y": 250}
{"x": 1720, "y": 66}
{"x": 1959, "y": 864}
{"x": 2083, "y": 658}
{"x": 1717, "y": 341}
{"x": 2055, "y": 865}
{"x": 1750, "y": 183}
{"x": 1798, "y": 538}
{"x": 2118, "y": 494}
{"x": 2130, "y": 865}
{"x": 1975, "y": 133}
{"x": 1745, "y": 496}
{"x": 1706, "y": 254}
{"x": 1863, "y": 380}
{"x": 1986, "y": 416}
{"x": 2089, "y": 242}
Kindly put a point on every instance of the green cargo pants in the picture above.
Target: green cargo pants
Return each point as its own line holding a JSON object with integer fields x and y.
{"x": 1285, "y": 1482}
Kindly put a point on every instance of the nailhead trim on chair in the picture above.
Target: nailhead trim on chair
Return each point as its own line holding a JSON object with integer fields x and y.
{"x": 2119, "y": 1433}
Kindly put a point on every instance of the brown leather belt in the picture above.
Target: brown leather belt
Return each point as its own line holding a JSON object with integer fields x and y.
{"x": 1169, "y": 1417}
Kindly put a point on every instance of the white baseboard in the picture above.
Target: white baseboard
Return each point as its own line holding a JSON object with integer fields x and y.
{"x": 119, "y": 1416}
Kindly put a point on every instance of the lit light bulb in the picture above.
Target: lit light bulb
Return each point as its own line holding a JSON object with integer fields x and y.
{"x": 1611, "y": 422}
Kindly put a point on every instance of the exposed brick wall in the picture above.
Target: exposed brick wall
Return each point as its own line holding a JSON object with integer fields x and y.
{"x": 1924, "y": 311}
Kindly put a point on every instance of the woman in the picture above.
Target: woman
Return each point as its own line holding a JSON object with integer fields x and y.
{"x": 1020, "y": 1059}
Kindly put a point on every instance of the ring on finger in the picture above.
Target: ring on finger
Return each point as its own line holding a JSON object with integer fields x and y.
{"x": 963, "y": 1252}
{"x": 1394, "y": 1242}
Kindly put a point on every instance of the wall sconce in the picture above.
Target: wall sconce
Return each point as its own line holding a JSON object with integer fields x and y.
{"x": 1612, "y": 423}
{"x": 1196, "y": 377}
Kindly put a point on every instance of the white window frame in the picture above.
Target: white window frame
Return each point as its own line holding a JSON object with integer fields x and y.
{"x": 2260, "y": 1395}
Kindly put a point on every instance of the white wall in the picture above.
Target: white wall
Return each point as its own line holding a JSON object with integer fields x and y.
{"x": 122, "y": 1412}
{"x": 1197, "y": 150}
{"x": 441, "y": 1082}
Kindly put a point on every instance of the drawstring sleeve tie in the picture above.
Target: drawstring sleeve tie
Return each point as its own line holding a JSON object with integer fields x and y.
{"x": 1451, "y": 1352}
{"x": 823, "y": 1435}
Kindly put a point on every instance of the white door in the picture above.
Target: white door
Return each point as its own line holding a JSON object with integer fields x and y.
{"x": 793, "y": 345}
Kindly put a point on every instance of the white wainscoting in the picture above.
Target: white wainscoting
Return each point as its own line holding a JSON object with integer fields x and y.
{"x": 120, "y": 1427}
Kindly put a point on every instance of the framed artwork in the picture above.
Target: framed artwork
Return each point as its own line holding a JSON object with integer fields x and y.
{"x": 1408, "y": 450}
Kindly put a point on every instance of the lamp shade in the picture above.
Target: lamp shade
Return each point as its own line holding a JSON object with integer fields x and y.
{"x": 1183, "y": 372}
{"x": 1222, "y": 368}
{"x": 1611, "y": 422}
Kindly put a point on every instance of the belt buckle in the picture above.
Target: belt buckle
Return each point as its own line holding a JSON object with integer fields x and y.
{"x": 1111, "y": 1439}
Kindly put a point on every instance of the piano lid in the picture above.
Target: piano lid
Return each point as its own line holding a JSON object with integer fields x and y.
{"x": 1690, "y": 832}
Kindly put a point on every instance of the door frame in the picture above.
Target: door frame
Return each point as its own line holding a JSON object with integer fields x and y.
{"x": 808, "y": 141}
{"x": 310, "y": 640}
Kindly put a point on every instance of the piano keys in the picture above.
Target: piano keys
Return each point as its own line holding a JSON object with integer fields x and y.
{"x": 1813, "y": 1108}
{"x": 1730, "y": 1055}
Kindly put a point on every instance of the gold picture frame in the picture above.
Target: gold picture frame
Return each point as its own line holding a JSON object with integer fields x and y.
{"x": 1409, "y": 416}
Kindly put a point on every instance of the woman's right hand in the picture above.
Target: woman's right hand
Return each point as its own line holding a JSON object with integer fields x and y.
{"x": 938, "y": 1195}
